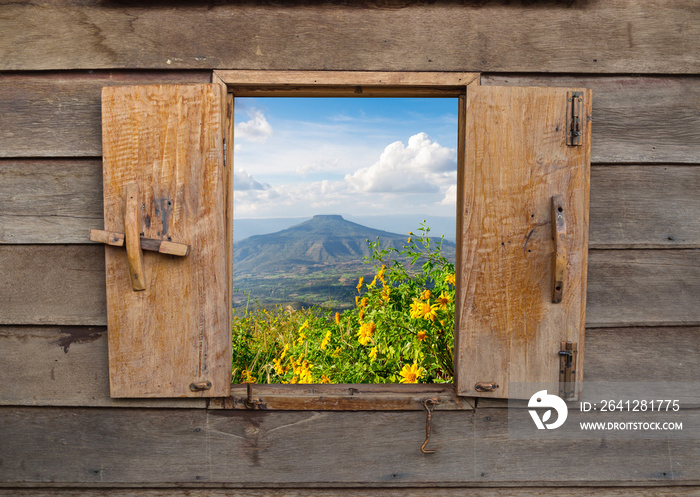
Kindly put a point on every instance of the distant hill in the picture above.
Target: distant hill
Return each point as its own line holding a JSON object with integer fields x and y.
{"x": 314, "y": 245}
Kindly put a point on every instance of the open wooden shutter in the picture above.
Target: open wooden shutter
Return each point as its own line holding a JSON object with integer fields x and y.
{"x": 166, "y": 229}
{"x": 523, "y": 282}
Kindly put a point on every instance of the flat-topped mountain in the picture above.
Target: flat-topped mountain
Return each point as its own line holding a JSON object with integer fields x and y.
{"x": 323, "y": 241}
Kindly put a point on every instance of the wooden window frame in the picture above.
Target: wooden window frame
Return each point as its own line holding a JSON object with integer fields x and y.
{"x": 245, "y": 83}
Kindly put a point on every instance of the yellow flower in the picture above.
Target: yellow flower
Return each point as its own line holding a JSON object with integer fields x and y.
{"x": 326, "y": 340}
{"x": 304, "y": 326}
{"x": 409, "y": 239}
{"x": 415, "y": 309}
{"x": 364, "y": 302}
{"x": 359, "y": 284}
{"x": 278, "y": 366}
{"x": 428, "y": 311}
{"x": 365, "y": 333}
{"x": 336, "y": 352}
{"x": 373, "y": 354}
{"x": 421, "y": 335}
{"x": 301, "y": 338}
{"x": 411, "y": 373}
{"x": 386, "y": 291}
{"x": 373, "y": 283}
{"x": 425, "y": 295}
{"x": 357, "y": 300}
{"x": 284, "y": 351}
{"x": 450, "y": 279}
{"x": 247, "y": 376}
{"x": 443, "y": 300}
{"x": 337, "y": 318}
{"x": 361, "y": 315}
{"x": 325, "y": 379}
{"x": 381, "y": 273}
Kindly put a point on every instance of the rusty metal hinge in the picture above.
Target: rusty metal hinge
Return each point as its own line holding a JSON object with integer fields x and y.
{"x": 567, "y": 370}
{"x": 574, "y": 129}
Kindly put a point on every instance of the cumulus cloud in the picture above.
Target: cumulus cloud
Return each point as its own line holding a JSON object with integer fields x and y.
{"x": 424, "y": 166}
{"x": 243, "y": 181}
{"x": 257, "y": 129}
{"x": 450, "y": 197}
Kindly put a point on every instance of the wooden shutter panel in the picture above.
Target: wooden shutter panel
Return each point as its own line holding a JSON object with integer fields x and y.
{"x": 165, "y": 181}
{"x": 516, "y": 160}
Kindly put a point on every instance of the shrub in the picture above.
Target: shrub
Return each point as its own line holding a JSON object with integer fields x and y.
{"x": 400, "y": 330}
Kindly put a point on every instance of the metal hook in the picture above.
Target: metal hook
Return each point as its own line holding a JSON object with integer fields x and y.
{"x": 429, "y": 404}
{"x": 249, "y": 401}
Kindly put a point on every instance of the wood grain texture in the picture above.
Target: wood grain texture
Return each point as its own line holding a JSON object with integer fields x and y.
{"x": 65, "y": 285}
{"x": 638, "y": 491}
{"x": 50, "y": 201}
{"x": 164, "y": 164}
{"x": 58, "y": 114}
{"x": 139, "y": 447}
{"x": 616, "y": 36}
{"x": 643, "y": 288}
{"x": 516, "y": 161}
{"x": 632, "y": 206}
{"x": 63, "y": 366}
{"x": 69, "y": 368}
{"x": 635, "y": 119}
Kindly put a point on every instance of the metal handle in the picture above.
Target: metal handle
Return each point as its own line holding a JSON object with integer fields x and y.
{"x": 559, "y": 257}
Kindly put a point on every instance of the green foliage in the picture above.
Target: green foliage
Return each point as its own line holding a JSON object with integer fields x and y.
{"x": 400, "y": 330}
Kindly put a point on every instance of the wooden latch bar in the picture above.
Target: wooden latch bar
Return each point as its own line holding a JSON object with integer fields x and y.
{"x": 574, "y": 132}
{"x": 559, "y": 253}
{"x": 135, "y": 243}
{"x": 567, "y": 370}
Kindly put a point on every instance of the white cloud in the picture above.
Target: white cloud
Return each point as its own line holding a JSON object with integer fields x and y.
{"x": 243, "y": 181}
{"x": 257, "y": 129}
{"x": 450, "y": 197}
{"x": 321, "y": 165}
{"x": 423, "y": 166}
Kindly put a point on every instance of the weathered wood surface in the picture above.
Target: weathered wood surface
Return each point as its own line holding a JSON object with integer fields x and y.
{"x": 50, "y": 201}
{"x": 323, "y": 449}
{"x": 168, "y": 318}
{"x": 64, "y": 366}
{"x": 59, "y": 116}
{"x": 520, "y": 181}
{"x": 643, "y": 288}
{"x": 535, "y": 491}
{"x": 69, "y": 367}
{"x": 59, "y": 201}
{"x": 65, "y": 285}
{"x": 643, "y": 119}
{"x": 620, "y": 36}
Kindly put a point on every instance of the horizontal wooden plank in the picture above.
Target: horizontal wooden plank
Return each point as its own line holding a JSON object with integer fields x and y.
{"x": 58, "y": 115}
{"x": 54, "y": 201}
{"x": 142, "y": 447}
{"x": 643, "y": 119}
{"x": 64, "y": 366}
{"x": 657, "y": 491}
{"x": 67, "y": 366}
{"x": 618, "y": 36}
{"x": 645, "y": 207}
{"x": 360, "y": 397}
{"x": 65, "y": 285}
{"x": 50, "y": 201}
{"x": 643, "y": 288}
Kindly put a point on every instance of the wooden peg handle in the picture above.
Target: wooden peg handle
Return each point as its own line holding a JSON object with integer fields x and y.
{"x": 559, "y": 257}
{"x": 132, "y": 232}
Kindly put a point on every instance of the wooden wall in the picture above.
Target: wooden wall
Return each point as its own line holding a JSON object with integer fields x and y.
{"x": 61, "y": 434}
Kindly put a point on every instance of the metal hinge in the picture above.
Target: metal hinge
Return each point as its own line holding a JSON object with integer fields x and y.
{"x": 574, "y": 130}
{"x": 567, "y": 370}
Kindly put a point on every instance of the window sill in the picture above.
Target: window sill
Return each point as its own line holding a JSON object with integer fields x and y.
{"x": 346, "y": 397}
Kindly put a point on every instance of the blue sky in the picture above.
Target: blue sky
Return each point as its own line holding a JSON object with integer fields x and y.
{"x": 296, "y": 157}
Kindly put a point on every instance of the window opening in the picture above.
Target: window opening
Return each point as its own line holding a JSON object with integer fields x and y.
{"x": 321, "y": 185}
